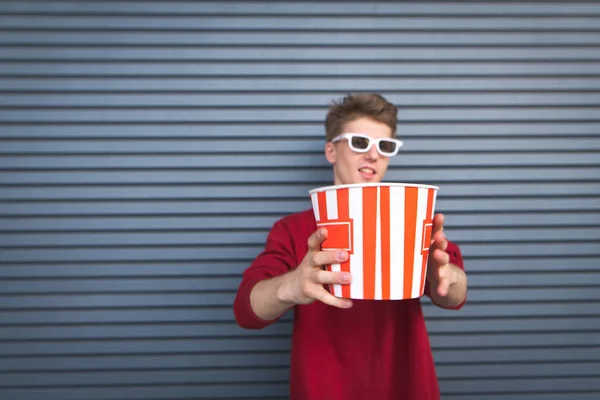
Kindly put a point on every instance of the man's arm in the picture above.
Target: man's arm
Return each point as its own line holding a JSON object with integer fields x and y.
{"x": 270, "y": 286}
{"x": 266, "y": 300}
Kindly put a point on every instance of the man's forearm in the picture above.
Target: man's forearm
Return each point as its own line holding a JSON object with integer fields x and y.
{"x": 457, "y": 291}
{"x": 267, "y": 298}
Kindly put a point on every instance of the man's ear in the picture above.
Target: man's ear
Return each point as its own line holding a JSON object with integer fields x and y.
{"x": 330, "y": 152}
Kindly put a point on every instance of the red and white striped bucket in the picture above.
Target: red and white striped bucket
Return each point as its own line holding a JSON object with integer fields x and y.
{"x": 386, "y": 229}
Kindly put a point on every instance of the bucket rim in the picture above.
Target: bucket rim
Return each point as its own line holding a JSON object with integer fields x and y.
{"x": 372, "y": 184}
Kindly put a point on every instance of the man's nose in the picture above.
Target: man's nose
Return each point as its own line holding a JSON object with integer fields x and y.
{"x": 372, "y": 153}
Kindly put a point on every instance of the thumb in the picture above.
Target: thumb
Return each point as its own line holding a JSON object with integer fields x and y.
{"x": 316, "y": 239}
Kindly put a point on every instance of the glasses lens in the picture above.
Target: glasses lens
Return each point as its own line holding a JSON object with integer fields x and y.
{"x": 387, "y": 146}
{"x": 360, "y": 142}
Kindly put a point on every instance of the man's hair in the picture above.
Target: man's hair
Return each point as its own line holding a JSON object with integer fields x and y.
{"x": 359, "y": 105}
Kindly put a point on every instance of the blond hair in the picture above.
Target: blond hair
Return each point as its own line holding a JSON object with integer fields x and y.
{"x": 359, "y": 105}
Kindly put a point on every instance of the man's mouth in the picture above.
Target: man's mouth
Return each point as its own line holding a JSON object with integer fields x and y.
{"x": 367, "y": 172}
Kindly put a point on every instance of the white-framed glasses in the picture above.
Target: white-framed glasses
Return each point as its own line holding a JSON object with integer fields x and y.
{"x": 362, "y": 143}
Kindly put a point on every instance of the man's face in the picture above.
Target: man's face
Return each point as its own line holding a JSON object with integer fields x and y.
{"x": 352, "y": 167}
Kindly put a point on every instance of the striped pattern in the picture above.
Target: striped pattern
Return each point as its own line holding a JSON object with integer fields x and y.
{"x": 146, "y": 148}
{"x": 386, "y": 230}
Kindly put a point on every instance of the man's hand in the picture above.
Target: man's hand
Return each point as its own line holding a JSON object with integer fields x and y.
{"x": 447, "y": 281}
{"x": 304, "y": 284}
{"x": 270, "y": 298}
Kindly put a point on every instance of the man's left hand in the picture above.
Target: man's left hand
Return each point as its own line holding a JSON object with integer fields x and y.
{"x": 440, "y": 273}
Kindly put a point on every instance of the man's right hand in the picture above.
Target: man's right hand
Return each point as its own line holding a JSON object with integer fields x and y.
{"x": 304, "y": 284}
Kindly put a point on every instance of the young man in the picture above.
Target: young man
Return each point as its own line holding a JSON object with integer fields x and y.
{"x": 346, "y": 349}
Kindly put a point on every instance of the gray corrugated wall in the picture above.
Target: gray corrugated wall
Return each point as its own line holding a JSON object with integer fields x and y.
{"x": 147, "y": 147}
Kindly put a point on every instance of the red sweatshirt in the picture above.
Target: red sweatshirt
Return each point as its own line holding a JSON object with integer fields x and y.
{"x": 375, "y": 350}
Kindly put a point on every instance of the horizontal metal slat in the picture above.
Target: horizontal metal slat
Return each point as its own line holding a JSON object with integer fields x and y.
{"x": 144, "y": 377}
{"x": 94, "y": 38}
{"x": 543, "y": 264}
{"x": 567, "y": 395}
{"x": 541, "y": 175}
{"x": 83, "y": 299}
{"x": 91, "y": 315}
{"x": 301, "y": 68}
{"x": 263, "y": 145}
{"x": 289, "y": 206}
{"x": 125, "y": 208}
{"x": 267, "y": 160}
{"x": 143, "y": 299}
{"x": 233, "y": 8}
{"x": 201, "y": 360}
{"x": 266, "y": 343}
{"x": 490, "y": 370}
{"x": 132, "y": 348}
{"x": 259, "y": 374}
{"x": 479, "y": 340}
{"x": 193, "y": 390}
{"x": 414, "y": 130}
{"x": 279, "y": 191}
{"x": 237, "y": 252}
{"x": 313, "y": 84}
{"x": 382, "y": 52}
{"x": 523, "y": 385}
{"x": 306, "y": 175}
{"x": 120, "y": 285}
{"x": 278, "y": 358}
{"x": 512, "y": 355}
{"x": 228, "y": 283}
{"x": 251, "y": 192}
{"x": 154, "y": 330}
{"x": 503, "y": 325}
{"x": 120, "y": 239}
{"x": 176, "y": 269}
{"x": 500, "y": 278}
{"x": 262, "y": 23}
{"x": 84, "y": 315}
{"x": 183, "y": 99}
{"x": 500, "y": 309}
{"x": 207, "y": 223}
{"x": 151, "y": 268}
{"x": 432, "y": 114}
{"x": 231, "y": 329}
{"x": 150, "y": 222}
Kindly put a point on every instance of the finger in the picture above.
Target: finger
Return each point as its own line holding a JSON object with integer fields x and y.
{"x": 441, "y": 257}
{"x": 439, "y": 241}
{"x": 329, "y": 299}
{"x": 315, "y": 240}
{"x": 444, "y": 284}
{"x": 328, "y": 257}
{"x": 328, "y": 277}
{"x": 438, "y": 223}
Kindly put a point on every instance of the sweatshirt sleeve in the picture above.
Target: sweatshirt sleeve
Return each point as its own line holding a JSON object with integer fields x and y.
{"x": 456, "y": 258}
{"x": 276, "y": 259}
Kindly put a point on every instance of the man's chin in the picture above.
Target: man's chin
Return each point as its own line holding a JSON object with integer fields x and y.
{"x": 363, "y": 180}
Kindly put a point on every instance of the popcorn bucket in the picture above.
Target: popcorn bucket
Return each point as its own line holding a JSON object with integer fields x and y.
{"x": 386, "y": 229}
